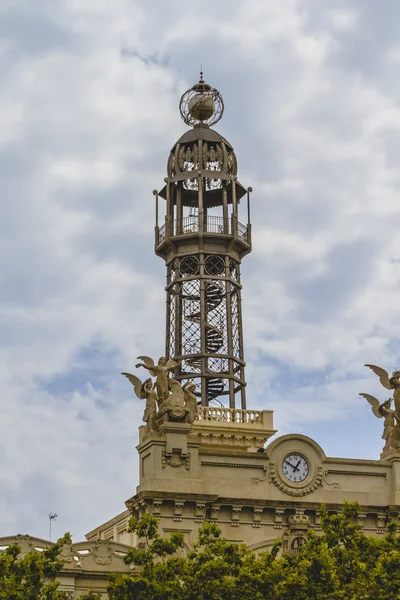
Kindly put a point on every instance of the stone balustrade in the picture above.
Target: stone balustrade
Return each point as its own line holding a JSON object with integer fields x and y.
{"x": 229, "y": 415}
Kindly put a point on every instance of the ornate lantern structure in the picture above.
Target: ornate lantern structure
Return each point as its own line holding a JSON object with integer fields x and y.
{"x": 203, "y": 242}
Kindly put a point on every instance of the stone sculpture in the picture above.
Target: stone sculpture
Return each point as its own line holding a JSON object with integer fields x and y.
{"x": 166, "y": 399}
{"x": 390, "y": 383}
{"x": 174, "y": 408}
{"x": 147, "y": 391}
{"x": 391, "y": 425}
{"x": 160, "y": 372}
{"x": 390, "y": 422}
{"x": 190, "y": 399}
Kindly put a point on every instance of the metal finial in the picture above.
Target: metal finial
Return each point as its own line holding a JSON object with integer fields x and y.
{"x": 201, "y": 80}
{"x": 202, "y": 105}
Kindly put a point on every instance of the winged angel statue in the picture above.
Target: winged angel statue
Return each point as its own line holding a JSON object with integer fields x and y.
{"x": 384, "y": 409}
{"x": 146, "y": 391}
{"x": 160, "y": 372}
{"x": 166, "y": 399}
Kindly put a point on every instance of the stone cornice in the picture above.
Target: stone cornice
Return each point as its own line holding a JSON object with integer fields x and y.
{"x": 362, "y": 473}
{"x": 289, "y": 504}
{"x": 205, "y": 463}
{"x": 261, "y": 456}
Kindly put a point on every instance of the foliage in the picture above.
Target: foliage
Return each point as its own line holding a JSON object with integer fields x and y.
{"x": 90, "y": 595}
{"x": 31, "y": 577}
{"x": 339, "y": 563}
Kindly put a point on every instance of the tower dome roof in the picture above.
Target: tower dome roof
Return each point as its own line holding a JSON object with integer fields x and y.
{"x": 202, "y": 133}
{"x": 203, "y": 152}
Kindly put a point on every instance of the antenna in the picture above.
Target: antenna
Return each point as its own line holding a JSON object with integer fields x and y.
{"x": 52, "y": 517}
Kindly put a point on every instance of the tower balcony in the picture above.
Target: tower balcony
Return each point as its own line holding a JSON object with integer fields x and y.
{"x": 230, "y": 232}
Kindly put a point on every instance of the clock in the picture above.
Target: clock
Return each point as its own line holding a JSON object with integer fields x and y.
{"x": 295, "y": 468}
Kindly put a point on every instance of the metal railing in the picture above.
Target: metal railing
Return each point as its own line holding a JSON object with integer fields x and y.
{"x": 212, "y": 224}
{"x": 242, "y": 232}
{"x": 216, "y": 225}
{"x": 188, "y": 225}
{"x": 161, "y": 234}
{"x": 229, "y": 415}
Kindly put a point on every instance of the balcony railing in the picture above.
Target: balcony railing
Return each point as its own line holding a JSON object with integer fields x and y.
{"x": 189, "y": 225}
{"x": 242, "y": 232}
{"x": 211, "y": 224}
{"x": 161, "y": 234}
{"x": 229, "y": 415}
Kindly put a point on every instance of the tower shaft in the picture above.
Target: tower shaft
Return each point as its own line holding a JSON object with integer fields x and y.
{"x": 203, "y": 242}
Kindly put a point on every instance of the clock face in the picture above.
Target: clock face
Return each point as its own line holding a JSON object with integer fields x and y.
{"x": 295, "y": 468}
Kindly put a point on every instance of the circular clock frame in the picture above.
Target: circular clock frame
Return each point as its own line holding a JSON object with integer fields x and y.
{"x": 295, "y": 468}
{"x": 298, "y": 445}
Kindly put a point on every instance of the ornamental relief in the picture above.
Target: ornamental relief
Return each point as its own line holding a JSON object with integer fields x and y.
{"x": 295, "y": 491}
{"x": 211, "y": 157}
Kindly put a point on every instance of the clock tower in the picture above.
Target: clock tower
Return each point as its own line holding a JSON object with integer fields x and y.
{"x": 202, "y": 455}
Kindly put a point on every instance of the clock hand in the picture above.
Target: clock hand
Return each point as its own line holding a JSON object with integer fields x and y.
{"x": 289, "y": 463}
{"x": 297, "y": 466}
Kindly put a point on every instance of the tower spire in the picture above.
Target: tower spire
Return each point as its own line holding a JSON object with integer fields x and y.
{"x": 203, "y": 241}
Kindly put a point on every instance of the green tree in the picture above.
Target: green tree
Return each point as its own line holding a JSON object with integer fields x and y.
{"x": 31, "y": 577}
{"x": 90, "y": 595}
{"x": 158, "y": 558}
{"x": 339, "y": 563}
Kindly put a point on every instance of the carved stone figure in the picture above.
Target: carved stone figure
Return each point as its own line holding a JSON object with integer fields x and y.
{"x": 190, "y": 399}
{"x": 390, "y": 383}
{"x": 160, "y": 372}
{"x": 390, "y": 422}
{"x": 147, "y": 391}
{"x": 174, "y": 408}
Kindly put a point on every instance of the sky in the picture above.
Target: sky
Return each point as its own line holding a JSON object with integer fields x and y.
{"x": 89, "y": 95}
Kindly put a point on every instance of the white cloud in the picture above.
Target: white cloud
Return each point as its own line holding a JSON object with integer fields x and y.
{"x": 345, "y": 20}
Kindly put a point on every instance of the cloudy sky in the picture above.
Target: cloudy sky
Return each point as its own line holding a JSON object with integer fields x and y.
{"x": 88, "y": 112}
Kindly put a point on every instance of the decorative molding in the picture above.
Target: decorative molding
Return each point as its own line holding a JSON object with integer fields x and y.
{"x": 257, "y": 515}
{"x": 278, "y": 518}
{"x": 299, "y": 521}
{"x": 365, "y": 473}
{"x": 214, "y": 512}
{"x": 157, "y": 504}
{"x": 168, "y": 428}
{"x": 175, "y": 460}
{"x": 236, "y": 510}
{"x": 291, "y": 491}
{"x": 206, "y": 463}
{"x": 199, "y": 512}
{"x": 335, "y": 485}
{"x": 183, "y": 431}
{"x": 361, "y": 517}
{"x": 178, "y": 508}
{"x": 294, "y": 537}
{"x": 259, "y": 479}
{"x": 67, "y": 553}
{"x": 381, "y": 519}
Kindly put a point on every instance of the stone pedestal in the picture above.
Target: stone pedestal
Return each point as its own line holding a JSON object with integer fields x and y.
{"x": 176, "y": 437}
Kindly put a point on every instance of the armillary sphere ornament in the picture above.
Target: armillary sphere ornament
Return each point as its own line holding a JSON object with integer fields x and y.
{"x": 202, "y": 105}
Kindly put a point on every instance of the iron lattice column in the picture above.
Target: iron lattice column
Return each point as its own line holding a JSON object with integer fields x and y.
{"x": 202, "y": 242}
